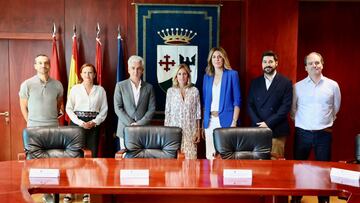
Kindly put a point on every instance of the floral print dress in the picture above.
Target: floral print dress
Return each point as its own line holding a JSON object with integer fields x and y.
{"x": 183, "y": 112}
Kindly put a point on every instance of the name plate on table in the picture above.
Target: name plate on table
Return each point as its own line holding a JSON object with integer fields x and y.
{"x": 134, "y": 177}
{"x": 44, "y": 181}
{"x": 346, "y": 177}
{"x": 237, "y": 177}
{"x": 44, "y": 173}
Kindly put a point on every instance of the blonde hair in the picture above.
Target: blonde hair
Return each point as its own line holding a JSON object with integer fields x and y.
{"x": 186, "y": 68}
{"x": 210, "y": 70}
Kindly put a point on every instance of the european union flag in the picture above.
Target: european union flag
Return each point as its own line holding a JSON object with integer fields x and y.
{"x": 120, "y": 75}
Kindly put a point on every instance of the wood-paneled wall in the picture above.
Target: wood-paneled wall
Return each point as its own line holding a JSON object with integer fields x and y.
{"x": 248, "y": 27}
{"x": 330, "y": 29}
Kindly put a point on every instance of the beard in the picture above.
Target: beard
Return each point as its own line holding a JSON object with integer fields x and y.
{"x": 269, "y": 70}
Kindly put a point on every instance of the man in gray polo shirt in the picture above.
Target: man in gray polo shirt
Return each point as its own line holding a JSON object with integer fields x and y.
{"x": 41, "y": 97}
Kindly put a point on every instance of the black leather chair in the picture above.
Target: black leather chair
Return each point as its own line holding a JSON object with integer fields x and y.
{"x": 357, "y": 148}
{"x": 243, "y": 143}
{"x": 151, "y": 142}
{"x": 54, "y": 142}
{"x": 357, "y": 152}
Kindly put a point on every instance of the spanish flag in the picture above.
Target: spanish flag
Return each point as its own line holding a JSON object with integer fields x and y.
{"x": 74, "y": 70}
{"x": 74, "y": 67}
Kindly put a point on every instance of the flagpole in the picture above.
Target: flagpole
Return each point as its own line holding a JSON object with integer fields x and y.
{"x": 98, "y": 56}
{"x": 54, "y": 30}
{"x": 119, "y": 35}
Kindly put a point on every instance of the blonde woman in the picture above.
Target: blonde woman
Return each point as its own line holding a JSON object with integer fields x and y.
{"x": 182, "y": 110}
{"x": 221, "y": 96}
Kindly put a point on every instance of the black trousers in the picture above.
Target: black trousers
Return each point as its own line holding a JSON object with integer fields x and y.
{"x": 92, "y": 136}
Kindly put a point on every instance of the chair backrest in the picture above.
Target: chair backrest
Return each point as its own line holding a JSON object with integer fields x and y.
{"x": 152, "y": 141}
{"x": 243, "y": 143}
{"x": 55, "y": 142}
{"x": 357, "y": 148}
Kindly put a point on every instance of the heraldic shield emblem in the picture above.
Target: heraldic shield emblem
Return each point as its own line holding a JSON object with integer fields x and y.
{"x": 177, "y": 52}
{"x": 168, "y": 35}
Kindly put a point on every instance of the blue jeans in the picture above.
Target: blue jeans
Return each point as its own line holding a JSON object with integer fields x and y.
{"x": 319, "y": 140}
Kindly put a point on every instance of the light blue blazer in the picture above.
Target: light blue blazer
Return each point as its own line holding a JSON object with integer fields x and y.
{"x": 230, "y": 97}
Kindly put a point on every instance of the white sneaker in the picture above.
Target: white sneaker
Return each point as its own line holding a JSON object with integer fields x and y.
{"x": 68, "y": 198}
{"x": 48, "y": 198}
{"x": 86, "y": 198}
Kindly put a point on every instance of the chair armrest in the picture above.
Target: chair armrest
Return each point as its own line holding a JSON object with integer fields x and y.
{"x": 275, "y": 156}
{"x": 21, "y": 156}
{"x": 217, "y": 156}
{"x": 87, "y": 153}
{"x": 350, "y": 161}
{"x": 120, "y": 154}
{"x": 180, "y": 155}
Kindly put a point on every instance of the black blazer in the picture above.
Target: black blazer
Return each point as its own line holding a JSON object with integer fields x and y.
{"x": 271, "y": 106}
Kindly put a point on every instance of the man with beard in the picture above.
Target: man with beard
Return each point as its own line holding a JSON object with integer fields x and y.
{"x": 41, "y": 97}
{"x": 269, "y": 102}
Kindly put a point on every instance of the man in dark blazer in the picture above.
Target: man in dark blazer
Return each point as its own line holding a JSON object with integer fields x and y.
{"x": 269, "y": 102}
{"x": 134, "y": 99}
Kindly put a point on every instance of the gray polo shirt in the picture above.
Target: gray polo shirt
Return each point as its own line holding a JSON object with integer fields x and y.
{"x": 42, "y": 100}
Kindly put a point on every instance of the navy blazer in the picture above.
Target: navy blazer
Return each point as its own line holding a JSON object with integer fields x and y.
{"x": 271, "y": 106}
{"x": 230, "y": 97}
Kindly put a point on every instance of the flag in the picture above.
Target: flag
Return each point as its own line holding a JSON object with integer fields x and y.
{"x": 74, "y": 69}
{"x": 119, "y": 77}
{"x": 54, "y": 62}
{"x": 55, "y": 74}
{"x": 98, "y": 61}
{"x": 120, "y": 65}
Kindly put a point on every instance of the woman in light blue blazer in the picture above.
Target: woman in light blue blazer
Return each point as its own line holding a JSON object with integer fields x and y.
{"x": 221, "y": 96}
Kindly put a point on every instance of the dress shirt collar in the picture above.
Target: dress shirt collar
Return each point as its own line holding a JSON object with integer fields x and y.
{"x": 271, "y": 77}
{"x": 308, "y": 79}
{"x": 134, "y": 86}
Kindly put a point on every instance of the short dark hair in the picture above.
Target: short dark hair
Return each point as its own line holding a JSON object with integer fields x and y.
{"x": 44, "y": 55}
{"x": 270, "y": 53}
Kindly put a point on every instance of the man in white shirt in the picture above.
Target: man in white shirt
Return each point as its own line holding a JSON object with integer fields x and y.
{"x": 134, "y": 99}
{"x": 316, "y": 102}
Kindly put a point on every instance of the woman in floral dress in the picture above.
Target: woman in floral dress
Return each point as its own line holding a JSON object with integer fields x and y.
{"x": 183, "y": 110}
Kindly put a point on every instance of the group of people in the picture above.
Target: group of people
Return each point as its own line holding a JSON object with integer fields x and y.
{"x": 313, "y": 103}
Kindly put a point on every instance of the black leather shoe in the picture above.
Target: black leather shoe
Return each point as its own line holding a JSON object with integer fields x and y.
{"x": 295, "y": 199}
{"x": 323, "y": 199}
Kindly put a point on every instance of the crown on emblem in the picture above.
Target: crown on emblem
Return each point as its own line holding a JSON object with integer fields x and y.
{"x": 177, "y": 36}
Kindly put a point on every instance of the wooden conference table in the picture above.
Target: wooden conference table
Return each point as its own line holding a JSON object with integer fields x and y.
{"x": 174, "y": 180}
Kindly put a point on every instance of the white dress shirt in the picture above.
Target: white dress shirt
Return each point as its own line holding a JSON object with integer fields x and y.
{"x": 136, "y": 91}
{"x": 79, "y": 100}
{"x": 269, "y": 79}
{"x": 315, "y": 105}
